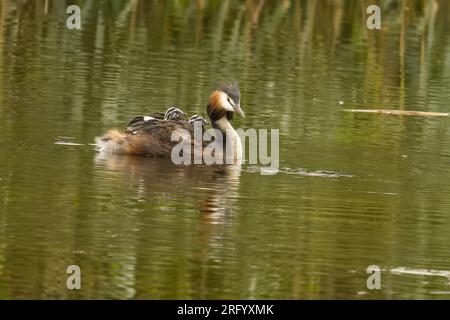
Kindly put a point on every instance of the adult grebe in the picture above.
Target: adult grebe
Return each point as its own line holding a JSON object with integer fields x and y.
{"x": 151, "y": 135}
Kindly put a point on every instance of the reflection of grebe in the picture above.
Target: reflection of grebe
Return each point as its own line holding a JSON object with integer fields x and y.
{"x": 214, "y": 189}
{"x": 174, "y": 192}
{"x": 151, "y": 135}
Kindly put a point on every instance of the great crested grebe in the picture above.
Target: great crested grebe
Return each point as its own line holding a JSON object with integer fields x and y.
{"x": 151, "y": 135}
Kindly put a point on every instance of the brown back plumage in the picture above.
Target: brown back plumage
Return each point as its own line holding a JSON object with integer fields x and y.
{"x": 151, "y": 135}
{"x": 146, "y": 135}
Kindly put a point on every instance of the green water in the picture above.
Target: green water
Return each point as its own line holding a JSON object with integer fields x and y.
{"x": 353, "y": 189}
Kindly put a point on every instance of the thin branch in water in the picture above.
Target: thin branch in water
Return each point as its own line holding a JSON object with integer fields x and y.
{"x": 399, "y": 112}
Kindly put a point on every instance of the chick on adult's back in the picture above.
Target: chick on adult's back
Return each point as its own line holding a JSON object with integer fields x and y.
{"x": 152, "y": 135}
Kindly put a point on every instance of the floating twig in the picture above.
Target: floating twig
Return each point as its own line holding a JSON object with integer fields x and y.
{"x": 399, "y": 112}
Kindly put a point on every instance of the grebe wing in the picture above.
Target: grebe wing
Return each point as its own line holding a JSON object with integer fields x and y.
{"x": 172, "y": 113}
{"x": 154, "y": 137}
{"x": 151, "y": 137}
{"x": 137, "y": 122}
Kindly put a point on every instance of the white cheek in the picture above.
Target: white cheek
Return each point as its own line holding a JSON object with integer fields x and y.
{"x": 226, "y": 105}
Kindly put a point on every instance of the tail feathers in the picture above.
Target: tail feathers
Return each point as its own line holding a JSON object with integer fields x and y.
{"x": 117, "y": 142}
{"x": 113, "y": 141}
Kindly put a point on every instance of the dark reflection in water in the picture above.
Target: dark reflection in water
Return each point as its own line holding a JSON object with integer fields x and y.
{"x": 353, "y": 190}
{"x": 205, "y": 194}
{"x": 216, "y": 186}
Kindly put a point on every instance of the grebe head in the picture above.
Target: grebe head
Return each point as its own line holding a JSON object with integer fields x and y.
{"x": 225, "y": 101}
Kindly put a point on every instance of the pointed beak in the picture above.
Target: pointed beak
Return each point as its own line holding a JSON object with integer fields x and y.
{"x": 239, "y": 110}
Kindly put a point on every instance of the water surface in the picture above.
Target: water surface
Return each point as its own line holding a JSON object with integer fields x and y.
{"x": 353, "y": 189}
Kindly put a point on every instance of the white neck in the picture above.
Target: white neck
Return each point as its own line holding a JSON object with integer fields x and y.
{"x": 233, "y": 141}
